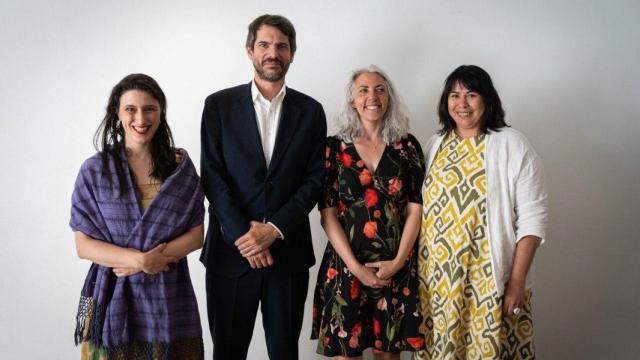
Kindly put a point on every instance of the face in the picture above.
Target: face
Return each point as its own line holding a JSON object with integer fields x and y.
{"x": 466, "y": 107}
{"x": 370, "y": 97}
{"x": 139, "y": 115}
{"x": 271, "y": 54}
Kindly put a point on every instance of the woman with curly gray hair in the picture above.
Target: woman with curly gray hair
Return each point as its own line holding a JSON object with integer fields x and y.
{"x": 366, "y": 294}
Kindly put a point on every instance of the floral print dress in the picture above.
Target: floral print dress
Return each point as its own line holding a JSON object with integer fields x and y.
{"x": 349, "y": 317}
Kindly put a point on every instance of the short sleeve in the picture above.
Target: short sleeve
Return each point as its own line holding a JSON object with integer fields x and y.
{"x": 330, "y": 185}
{"x": 416, "y": 169}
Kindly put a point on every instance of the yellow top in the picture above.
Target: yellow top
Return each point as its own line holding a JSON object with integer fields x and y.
{"x": 148, "y": 192}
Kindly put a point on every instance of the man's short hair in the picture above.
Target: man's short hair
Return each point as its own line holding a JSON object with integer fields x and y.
{"x": 277, "y": 21}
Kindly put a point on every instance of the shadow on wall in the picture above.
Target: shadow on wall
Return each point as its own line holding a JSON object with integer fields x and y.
{"x": 587, "y": 274}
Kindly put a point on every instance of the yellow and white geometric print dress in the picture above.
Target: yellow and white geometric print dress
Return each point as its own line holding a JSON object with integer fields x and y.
{"x": 460, "y": 305}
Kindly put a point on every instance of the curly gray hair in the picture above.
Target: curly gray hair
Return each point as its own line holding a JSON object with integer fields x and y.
{"x": 396, "y": 120}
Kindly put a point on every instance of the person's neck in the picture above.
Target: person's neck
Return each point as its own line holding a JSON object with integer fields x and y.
{"x": 371, "y": 132}
{"x": 138, "y": 152}
{"x": 268, "y": 89}
{"x": 466, "y": 133}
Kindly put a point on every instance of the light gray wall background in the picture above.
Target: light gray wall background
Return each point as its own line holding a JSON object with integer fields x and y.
{"x": 567, "y": 72}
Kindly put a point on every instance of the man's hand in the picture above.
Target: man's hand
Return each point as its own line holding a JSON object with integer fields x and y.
{"x": 259, "y": 237}
{"x": 261, "y": 259}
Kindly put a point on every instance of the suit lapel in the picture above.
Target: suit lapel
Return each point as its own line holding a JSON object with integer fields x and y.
{"x": 246, "y": 123}
{"x": 289, "y": 121}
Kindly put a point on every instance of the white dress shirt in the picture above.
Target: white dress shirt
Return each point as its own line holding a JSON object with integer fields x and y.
{"x": 268, "y": 119}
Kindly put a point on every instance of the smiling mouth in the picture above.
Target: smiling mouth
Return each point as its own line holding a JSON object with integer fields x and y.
{"x": 141, "y": 129}
{"x": 373, "y": 107}
{"x": 464, "y": 114}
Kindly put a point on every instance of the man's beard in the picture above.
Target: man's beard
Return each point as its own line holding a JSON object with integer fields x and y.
{"x": 271, "y": 75}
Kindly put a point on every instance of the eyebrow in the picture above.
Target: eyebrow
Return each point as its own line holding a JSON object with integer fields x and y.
{"x": 271, "y": 42}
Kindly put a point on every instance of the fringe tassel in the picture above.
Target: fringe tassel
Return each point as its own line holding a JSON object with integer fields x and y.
{"x": 185, "y": 349}
{"x": 89, "y": 321}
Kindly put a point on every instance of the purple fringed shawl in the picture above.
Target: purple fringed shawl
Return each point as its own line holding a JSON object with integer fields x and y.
{"x": 142, "y": 309}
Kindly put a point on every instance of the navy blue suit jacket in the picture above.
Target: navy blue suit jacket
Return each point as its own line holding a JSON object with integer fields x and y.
{"x": 240, "y": 187}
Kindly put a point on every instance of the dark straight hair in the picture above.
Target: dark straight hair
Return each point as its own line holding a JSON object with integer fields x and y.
{"x": 277, "y": 21}
{"x": 109, "y": 138}
{"x": 473, "y": 78}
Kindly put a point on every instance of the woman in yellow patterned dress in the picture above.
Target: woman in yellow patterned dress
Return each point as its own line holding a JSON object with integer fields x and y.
{"x": 484, "y": 215}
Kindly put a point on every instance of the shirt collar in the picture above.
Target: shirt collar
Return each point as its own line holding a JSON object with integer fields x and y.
{"x": 257, "y": 96}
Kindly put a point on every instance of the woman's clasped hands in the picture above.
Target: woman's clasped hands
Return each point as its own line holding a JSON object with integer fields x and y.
{"x": 151, "y": 262}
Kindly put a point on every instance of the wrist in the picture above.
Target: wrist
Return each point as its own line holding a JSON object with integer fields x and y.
{"x": 276, "y": 233}
{"x": 516, "y": 282}
{"x": 137, "y": 259}
{"x": 398, "y": 262}
{"x": 355, "y": 268}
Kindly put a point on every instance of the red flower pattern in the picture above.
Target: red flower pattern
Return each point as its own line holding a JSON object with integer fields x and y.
{"x": 370, "y": 198}
{"x": 353, "y": 342}
{"x": 376, "y": 328}
{"x": 395, "y": 185}
{"x": 365, "y": 177}
{"x": 370, "y": 229}
{"x": 346, "y": 160}
{"x": 355, "y": 288}
{"x": 331, "y": 273}
{"x": 341, "y": 208}
{"x": 357, "y": 329}
{"x": 416, "y": 342}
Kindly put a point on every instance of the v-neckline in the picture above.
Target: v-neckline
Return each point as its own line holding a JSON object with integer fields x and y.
{"x": 384, "y": 151}
{"x": 136, "y": 194}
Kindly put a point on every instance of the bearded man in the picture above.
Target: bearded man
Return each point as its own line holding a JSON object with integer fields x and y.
{"x": 262, "y": 163}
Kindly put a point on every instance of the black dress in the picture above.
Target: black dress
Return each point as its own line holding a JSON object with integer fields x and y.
{"x": 349, "y": 317}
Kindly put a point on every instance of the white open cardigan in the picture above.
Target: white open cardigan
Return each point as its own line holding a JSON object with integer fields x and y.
{"x": 516, "y": 197}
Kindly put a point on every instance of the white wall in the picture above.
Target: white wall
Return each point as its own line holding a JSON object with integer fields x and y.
{"x": 566, "y": 70}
